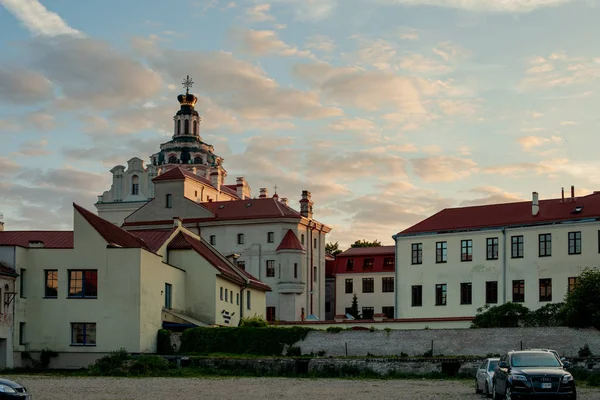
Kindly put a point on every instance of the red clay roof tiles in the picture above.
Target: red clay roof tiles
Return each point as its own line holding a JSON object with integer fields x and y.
{"x": 290, "y": 242}
{"x": 50, "y": 239}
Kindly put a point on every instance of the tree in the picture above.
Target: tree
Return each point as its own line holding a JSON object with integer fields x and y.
{"x": 354, "y": 307}
{"x": 509, "y": 315}
{"x": 333, "y": 248}
{"x": 582, "y": 303}
{"x": 552, "y": 314}
{"x": 364, "y": 243}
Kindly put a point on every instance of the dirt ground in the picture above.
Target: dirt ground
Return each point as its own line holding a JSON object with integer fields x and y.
{"x": 55, "y": 388}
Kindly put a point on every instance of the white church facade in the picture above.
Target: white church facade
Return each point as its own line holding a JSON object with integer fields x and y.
{"x": 281, "y": 246}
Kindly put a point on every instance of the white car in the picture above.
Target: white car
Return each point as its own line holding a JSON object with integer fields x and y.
{"x": 483, "y": 378}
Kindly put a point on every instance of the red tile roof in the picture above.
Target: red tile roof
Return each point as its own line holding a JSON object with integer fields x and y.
{"x": 113, "y": 235}
{"x": 186, "y": 242}
{"x": 6, "y": 270}
{"x": 51, "y": 239}
{"x": 360, "y": 254}
{"x": 290, "y": 242}
{"x": 508, "y": 214}
{"x": 154, "y": 238}
{"x": 179, "y": 173}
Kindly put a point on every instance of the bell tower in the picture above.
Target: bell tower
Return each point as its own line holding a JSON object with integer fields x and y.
{"x": 187, "y": 120}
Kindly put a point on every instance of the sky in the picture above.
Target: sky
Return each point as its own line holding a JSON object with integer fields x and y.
{"x": 387, "y": 111}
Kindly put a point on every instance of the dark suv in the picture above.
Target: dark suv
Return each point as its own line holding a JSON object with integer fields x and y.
{"x": 532, "y": 374}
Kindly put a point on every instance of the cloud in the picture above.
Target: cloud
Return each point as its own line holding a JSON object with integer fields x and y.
{"x": 530, "y": 142}
{"x": 408, "y": 34}
{"x": 310, "y": 10}
{"x": 7, "y": 166}
{"x": 22, "y": 86}
{"x": 353, "y": 124}
{"x": 559, "y": 70}
{"x": 499, "y": 6}
{"x": 523, "y": 168}
{"x": 443, "y": 168}
{"x": 421, "y": 64}
{"x": 490, "y": 195}
{"x": 568, "y": 123}
{"x": 42, "y": 121}
{"x": 33, "y": 148}
{"x": 320, "y": 42}
{"x": 259, "y": 13}
{"x": 38, "y": 19}
{"x": 262, "y": 43}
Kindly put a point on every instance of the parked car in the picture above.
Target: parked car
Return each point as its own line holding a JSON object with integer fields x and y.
{"x": 527, "y": 373}
{"x": 13, "y": 390}
{"x": 483, "y": 378}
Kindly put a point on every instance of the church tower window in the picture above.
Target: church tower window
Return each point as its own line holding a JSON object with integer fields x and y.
{"x": 186, "y": 127}
{"x": 172, "y": 160}
{"x": 195, "y": 127}
{"x": 178, "y": 127}
{"x": 169, "y": 201}
{"x": 197, "y": 160}
{"x": 135, "y": 185}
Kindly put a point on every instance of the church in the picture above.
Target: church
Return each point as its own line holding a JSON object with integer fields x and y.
{"x": 279, "y": 245}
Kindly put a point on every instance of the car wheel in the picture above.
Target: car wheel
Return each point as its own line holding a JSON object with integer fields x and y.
{"x": 477, "y": 390}
{"x": 487, "y": 390}
{"x": 508, "y": 394}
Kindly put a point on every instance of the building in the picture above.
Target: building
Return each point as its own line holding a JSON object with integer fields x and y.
{"x": 367, "y": 272}
{"x": 7, "y": 306}
{"x": 279, "y": 245}
{"x": 460, "y": 259}
{"x": 329, "y": 287}
{"x": 100, "y": 288}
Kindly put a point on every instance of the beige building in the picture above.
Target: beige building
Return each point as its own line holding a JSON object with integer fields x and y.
{"x": 99, "y": 288}
{"x": 460, "y": 259}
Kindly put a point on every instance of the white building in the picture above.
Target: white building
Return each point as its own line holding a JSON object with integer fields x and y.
{"x": 460, "y": 259}
{"x": 100, "y": 288}
{"x": 283, "y": 247}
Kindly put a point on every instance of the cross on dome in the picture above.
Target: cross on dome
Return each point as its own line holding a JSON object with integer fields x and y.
{"x": 187, "y": 84}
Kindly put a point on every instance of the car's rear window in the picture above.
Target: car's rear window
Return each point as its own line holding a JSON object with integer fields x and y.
{"x": 492, "y": 366}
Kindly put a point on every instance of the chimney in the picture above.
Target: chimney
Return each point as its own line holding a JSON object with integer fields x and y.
{"x": 215, "y": 178}
{"x": 264, "y": 193}
{"x": 284, "y": 200}
{"x": 176, "y": 222}
{"x": 562, "y": 192}
{"x": 306, "y": 205}
{"x": 572, "y": 193}
{"x": 241, "y": 187}
{"x": 535, "y": 205}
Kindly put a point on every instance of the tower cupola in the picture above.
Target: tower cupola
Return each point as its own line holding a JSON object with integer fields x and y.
{"x": 187, "y": 120}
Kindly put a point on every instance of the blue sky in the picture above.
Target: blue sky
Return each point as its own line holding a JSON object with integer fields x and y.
{"x": 386, "y": 110}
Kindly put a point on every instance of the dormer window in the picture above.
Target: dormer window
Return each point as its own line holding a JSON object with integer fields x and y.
{"x": 169, "y": 201}
{"x": 577, "y": 210}
{"x": 135, "y": 185}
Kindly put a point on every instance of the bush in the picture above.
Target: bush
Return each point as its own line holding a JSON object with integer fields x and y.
{"x": 254, "y": 322}
{"x": 45, "y": 357}
{"x": 334, "y": 329}
{"x": 163, "y": 342}
{"x": 148, "y": 366}
{"x": 268, "y": 341}
{"x": 509, "y": 315}
{"x": 111, "y": 364}
{"x": 120, "y": 363}
{"x": 584, "y": 351}
{"x": 293, "y": 351}
{"x": 592, "y": 378}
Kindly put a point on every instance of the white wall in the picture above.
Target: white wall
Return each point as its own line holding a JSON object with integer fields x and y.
{"x": 559, "y": 267}
{"x": 377, "y": 299}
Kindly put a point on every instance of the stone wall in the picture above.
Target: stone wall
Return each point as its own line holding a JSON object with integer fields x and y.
{"x": 449, "y": 342}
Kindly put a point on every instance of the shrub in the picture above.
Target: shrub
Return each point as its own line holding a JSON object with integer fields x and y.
{"x": 508, "y": 315}
{"x": 293, "y": 351}
{"x": 111, "y": 364}
{"x": 334, "y": 329}
{"x": 253, "y": 322}
{"x": 584, "y": 351}
{"x": 148, "y": 366}
{"x": 163, "y": 342}
{"x": 45, "y": 357}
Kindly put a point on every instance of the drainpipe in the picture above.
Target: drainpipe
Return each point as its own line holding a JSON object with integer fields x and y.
{"x": 503, "y": 265}
{"x": 396, "y": 281}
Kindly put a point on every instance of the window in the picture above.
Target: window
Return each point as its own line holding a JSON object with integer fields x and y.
{"x": 302, "y": 239}
{"x": 295, "y": 270}
{"x": 186, "y": 127}
{"x": 83, "y": 334}
{"x": 22, "y": 333}
{"x": 172, "y": 160}
{"x": 241, "y": 265}
{"x": 237, "y": 299}
{"x": 573, "y": 282}
{"x": 367, "y": 312}
{"x": 417, "y": 296}
{"x": 240, "y": 238}
{"x": 466, "y": 250}
{"x": 546, "y": 289}
{"x": 195, "y": 124}
{"x": 22, "y": 273}
{"x": 315, "y": 274}
{"x": 368, "y": 264}
{"x": 389, "y": 263}
{"x": 491, "y": 292}
{"x": 270, "y": 314}
{"x": 226, "y": 295}
{"x": 248, "y": 299}
{"x": 545, "y": 245}
{"x": 466, "y": 293}
{"x": 168, "y": 295}
{"x": 387, "y": 285}
{"x": 440, "y": 294}
{"x": 178, "y": 126}
{"x": 83, "y": 283}
{"x": 327, "y": 306}
{"x": 368, "y": 285}
{"x": 518, "y": 291}
{"x": 270, "y": 268}
{"x": 231, "y": 297}
{"x": 388, "y": 311}
{"x": 168, "y": 201}
{"x": 417, "y": 253}
{"x": 441, "y": 252}
{"x": 350, "y": 265}
{"x": 221, "y": 293}
{"x": 51, "y": 290}
{"x": 349, "y": 286}
{"x": 492, "y": 248}
{"x": 197, "y": 160}
{"x": 135, "y": 185}
{"x": 213, "y": 240}
{"x": 348, "y": 311}
{"x": 516, "y": 246}
{"x": 270, "y": 237}
{"x": 574, "y": 242}
{"x": 315, "y": 243}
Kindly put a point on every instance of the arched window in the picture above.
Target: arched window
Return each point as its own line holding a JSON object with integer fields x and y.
{"x": 174, "y": 127}
{"x": 172, "y": 160}
{"x": 197, "y": 160}
{"x": 178, "y": 127}
{"x": 169, "y": 201}
{"x": 186, "y": 127}
{"x": 195, "y": 127}
{"x": 135, "y": 185}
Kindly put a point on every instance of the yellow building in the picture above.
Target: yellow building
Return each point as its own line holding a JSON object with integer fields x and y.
{"x": 100, "y": 288}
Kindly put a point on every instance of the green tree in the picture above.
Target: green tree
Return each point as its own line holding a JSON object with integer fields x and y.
{"x": 509, "y": 315}
{"x": 354, "y": 308}
{"x": 552, "y": 314}
{"x": 364, "y": 243}
{"x": 333, "y": 248}
{"x": 582, "y": 303}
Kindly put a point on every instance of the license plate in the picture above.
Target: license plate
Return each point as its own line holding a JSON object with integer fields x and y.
{"x": 546, "y": 386}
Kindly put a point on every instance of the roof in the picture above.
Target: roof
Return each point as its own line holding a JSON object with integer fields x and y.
{"x": 51, "y": 239}
{"x": 113, "y": 235}
{"x": 290, "y": 242}
{"x": 508, "y": 214}
{"x": 154, "y": 238}
{"x": 367, "y": 251}
{"x": 178, "y": 173}
{"x": 6, "y": 270}
{"x": 225, "y": 268}
{"x": 359, "y": 255}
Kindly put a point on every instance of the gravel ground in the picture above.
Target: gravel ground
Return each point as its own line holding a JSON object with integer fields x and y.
{"x": 55, "y": 388}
